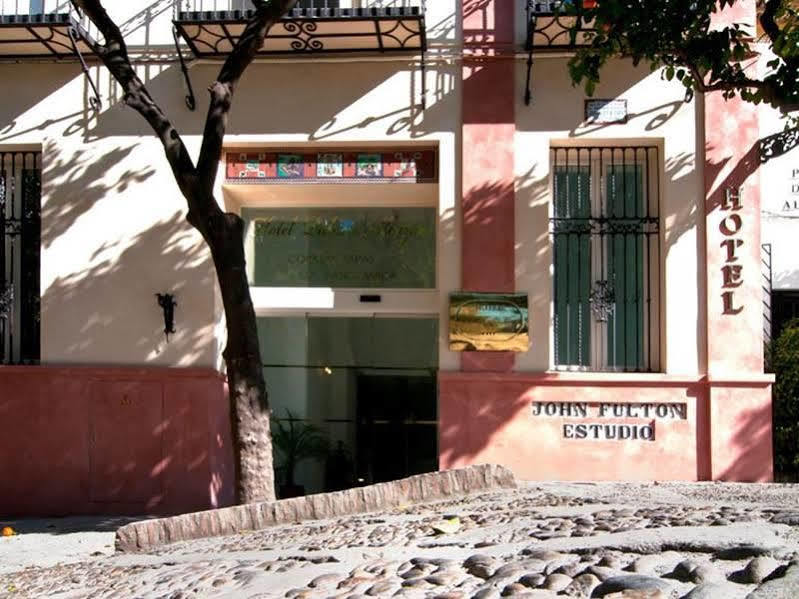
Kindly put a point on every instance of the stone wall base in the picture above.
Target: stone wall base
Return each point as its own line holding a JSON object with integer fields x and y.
{"x": 256, "y": 516}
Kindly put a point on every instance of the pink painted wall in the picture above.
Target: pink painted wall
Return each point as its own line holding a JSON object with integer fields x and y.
{"x": 113, "y": 440}
{"x": 732, "y": 142}
{"x": 489, "y": 419}
{"x": 488, "y": 158}
{"x": 740, "y": 422}
{"x": 740, "y": 413}
{"x": 735, "y": 338}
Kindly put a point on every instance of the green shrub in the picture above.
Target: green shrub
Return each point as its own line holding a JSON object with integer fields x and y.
{"x": 785, "y": 362}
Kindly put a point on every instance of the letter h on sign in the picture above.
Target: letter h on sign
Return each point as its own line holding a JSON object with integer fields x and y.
{"x": 730, "y": 226}
{"x": 732, "y": 199}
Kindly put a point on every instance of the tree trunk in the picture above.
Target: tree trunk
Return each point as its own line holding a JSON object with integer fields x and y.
{"x": 249, "y": 408}
{"x": 224, "y": 233}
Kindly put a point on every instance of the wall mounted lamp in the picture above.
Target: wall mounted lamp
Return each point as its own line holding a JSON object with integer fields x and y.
{"x": 167, "y": 303}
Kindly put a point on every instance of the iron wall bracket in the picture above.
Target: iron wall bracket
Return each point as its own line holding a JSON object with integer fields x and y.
{"x": 94, "y": 100}
{"x": 531, "y": 23}
{"x": 191, "y": 101}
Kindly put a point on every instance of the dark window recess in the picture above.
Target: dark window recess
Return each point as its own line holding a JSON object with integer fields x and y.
{"x": 605, "y": 229}
{"x": 371, "y": 299}
{"x": 785, "y": 306}
{"x": 20, "y": 241}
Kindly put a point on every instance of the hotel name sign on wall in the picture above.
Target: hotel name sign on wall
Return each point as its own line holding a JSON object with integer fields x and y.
{"x": 601, "y": 421}
{"x": 731, "y": 272}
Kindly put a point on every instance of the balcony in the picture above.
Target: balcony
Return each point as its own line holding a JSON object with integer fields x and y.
{"x": 42, "y": 29}
{"x": 212, "y": 27}
{"x": 549, "y": 24}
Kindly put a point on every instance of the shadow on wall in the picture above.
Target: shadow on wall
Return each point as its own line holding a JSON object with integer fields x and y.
{"x": 78, "y": 184}
{"x": 100, "y": 441}
{"x": 752, "y": 441}
{"x": 92, "y": 311}
{"x": 126, "y": 441}
{"x": 31, "y": 87}
{"x": 318, "y": 100}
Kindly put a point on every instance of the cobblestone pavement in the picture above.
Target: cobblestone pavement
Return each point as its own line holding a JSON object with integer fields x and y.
{"x": 618, "y": 541}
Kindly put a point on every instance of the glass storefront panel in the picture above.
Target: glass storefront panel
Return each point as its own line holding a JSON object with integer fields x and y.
{"x": 392, "y": 248}
{"x": 375, "y": 407}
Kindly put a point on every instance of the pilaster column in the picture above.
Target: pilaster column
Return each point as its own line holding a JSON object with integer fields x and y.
{"x": 739, "y": 393}
{"x": 489, "y": 127}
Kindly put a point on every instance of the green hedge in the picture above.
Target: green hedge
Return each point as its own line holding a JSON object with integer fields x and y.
{"x": 784, "y": 355}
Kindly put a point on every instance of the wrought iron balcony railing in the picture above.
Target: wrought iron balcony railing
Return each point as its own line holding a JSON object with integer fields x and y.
{"x": 554, "y": 25}
{"x": 43, "y": 29}
{"x": 549, "y": 24}
{"x": 307, "y": 8}
{"x": 211, "y": 28}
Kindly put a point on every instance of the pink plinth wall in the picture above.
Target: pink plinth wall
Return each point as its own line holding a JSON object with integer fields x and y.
{"x": 488, "y": 418}
{"x": 113, "y": 441}
{"x": 488, "y": 141}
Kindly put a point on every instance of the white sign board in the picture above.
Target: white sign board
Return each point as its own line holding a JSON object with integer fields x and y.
{"x": 606, "y": 111}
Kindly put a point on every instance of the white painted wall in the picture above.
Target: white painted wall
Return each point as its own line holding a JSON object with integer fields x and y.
{"x": 114, "y": 230}
{"x": 113, "y": 220}
{"x": 780, "y": 196}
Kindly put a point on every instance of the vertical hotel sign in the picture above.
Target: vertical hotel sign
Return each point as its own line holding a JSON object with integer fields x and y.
{"x": 731, "y": 272}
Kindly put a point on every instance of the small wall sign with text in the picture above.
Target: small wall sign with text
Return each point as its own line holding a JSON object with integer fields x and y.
{"x": 792, "y": 204}
{"x": 594, "y": 421}
{"x": 605, "y": 112}
{"x": 488, "y": 322}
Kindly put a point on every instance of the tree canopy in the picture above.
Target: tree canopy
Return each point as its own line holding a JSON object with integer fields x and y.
{"x": 686, "y": 37}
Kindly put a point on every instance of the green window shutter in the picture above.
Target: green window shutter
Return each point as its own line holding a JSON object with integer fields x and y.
{"x": 625, "y": 267}
{"x": 572, "y": 257}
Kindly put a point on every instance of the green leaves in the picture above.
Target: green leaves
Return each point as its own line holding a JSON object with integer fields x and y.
{"x": 295, "y": 440}
{"x": 695, "y": 45}
{"x": 785, "y": 362}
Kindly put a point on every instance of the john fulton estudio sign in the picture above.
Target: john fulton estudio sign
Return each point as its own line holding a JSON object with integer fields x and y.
{"x": 601, "y": 427}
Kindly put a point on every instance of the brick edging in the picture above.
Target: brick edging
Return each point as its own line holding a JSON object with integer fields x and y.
{"x": 148, "y": 534}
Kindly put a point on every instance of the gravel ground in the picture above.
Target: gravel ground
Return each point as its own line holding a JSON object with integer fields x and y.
{"x": 624, "y": 540}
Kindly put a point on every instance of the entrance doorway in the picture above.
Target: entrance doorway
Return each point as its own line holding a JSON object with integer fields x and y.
{"x": 366, "y": 386}
{"x": 397, "y": 425}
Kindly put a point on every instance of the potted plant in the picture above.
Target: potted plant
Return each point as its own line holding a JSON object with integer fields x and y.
{"x": 295, "y": 440}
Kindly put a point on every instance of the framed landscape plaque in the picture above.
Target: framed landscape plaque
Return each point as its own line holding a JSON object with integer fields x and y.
{"x": 488, "y": 322}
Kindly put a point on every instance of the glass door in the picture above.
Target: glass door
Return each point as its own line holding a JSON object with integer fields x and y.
{"x": 354, "y": 398}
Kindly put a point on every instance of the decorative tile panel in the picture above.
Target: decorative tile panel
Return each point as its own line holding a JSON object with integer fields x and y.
{"x": 330, "y": 166}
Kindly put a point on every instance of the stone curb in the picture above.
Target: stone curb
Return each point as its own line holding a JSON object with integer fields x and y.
{"x": 421, "y": 488}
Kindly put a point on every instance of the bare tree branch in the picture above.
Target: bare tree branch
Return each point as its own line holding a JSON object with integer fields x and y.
{"x": 196, "y": 184}
{"x": 244, "y": 52}
{"x": 114, "y": 54}
{"x": 768, "y": 19}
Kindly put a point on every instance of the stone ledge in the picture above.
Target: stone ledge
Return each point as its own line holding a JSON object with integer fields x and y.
{"x": 421, "y": 488}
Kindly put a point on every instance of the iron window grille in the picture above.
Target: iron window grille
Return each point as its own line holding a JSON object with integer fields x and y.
{"x": 20, "y": 240}
{"x": 605, "y": 227}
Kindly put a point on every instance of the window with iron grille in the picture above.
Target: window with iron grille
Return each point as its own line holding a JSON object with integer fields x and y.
{"x": 20, "y": 238}
{"x": 605, "y": 228}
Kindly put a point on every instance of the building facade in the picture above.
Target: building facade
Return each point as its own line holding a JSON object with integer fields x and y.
{"x": 456, "y": 257}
